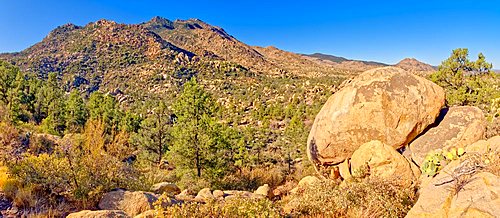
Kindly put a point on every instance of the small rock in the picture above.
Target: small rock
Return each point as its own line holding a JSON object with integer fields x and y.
{"x": 166, "y": 187}
{"x": 304, "y": 182}
{"x": 264, "y": 190}
{"x": 344, "y": 170}
{"x": 147, "y": 214}
{"x": 204, "y": 195}
{"x": 218, "y": 194}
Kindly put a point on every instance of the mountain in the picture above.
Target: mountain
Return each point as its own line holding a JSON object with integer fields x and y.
{"x": 156, "y": 56}
{"x": 214, "y": 42}
{"x": 416, "y": 67}
{"x": 100, "y": 53}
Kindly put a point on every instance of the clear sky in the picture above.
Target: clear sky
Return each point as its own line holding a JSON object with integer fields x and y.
{"x": 385, "y": 31}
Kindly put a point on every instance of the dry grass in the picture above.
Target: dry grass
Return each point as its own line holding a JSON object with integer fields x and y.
{"x": 250, "y": 180}
{"x": 362, "y": 198}
{"x": 234, "y": 208}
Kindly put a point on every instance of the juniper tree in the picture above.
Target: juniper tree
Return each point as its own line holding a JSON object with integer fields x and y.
{"x": 466, "y": 82}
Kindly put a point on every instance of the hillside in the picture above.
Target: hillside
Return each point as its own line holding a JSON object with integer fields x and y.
{"x": 414, "y": 66}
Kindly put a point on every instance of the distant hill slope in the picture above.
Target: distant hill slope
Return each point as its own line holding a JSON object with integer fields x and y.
{"x": 409, "y": 64}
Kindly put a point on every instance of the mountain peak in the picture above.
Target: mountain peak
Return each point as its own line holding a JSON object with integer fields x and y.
{"x": 63, "y": 29}
{"x": 158, "y": 23}
{"x": 415, "y": 66}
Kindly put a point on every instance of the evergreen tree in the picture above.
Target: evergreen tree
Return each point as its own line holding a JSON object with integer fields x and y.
{"x": 294, "y": 135}
{"x": 18, "y": 99}
{"x": 197, "y": 141}
{"x": 76, "y": 114}
{"x": 154, "y": 135}
{"x": 51, "y": 102}
{"x": 466, "y": 82}
{"x": 105, "y": 108}
{"x": 8, "y": 74}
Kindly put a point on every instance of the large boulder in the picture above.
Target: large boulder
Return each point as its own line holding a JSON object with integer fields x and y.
{"x": 383, "y": 161}
{"x": 386, "y": 104}
{"x": 461, "y": 126}
{"x": 99, "y": 214}
{"x": 132, "y": 203}
{"x": 468, "y": 196}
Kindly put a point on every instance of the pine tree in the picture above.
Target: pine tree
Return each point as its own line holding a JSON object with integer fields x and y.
{"x": 76, "y": 114}
{"x": 294, "y": 137}
{"x": 154, "y": 135}
{"x": 53, "y": 106}
{"x": 8, "y": 74}
{"x": 197, "y": 140}
{"x": 18, "y": 99}
{"x": 105, "y": 108}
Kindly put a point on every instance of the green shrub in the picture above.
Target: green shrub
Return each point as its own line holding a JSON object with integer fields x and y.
{"x": 435, "y": 160}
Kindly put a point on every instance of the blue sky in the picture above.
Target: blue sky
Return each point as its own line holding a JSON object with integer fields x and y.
{"x": 385, "y": 31}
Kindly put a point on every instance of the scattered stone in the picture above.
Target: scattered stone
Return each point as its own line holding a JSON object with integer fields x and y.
{"x": 147, "y": 214}
{"x": 132, "y": 203}
{"x": 345, "y": 171}
{"x": 218, "y": 194}
{"x": 185, "y": 195}
{"x": 386, "y": 104}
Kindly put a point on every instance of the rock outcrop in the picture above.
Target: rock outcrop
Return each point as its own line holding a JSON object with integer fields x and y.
{"x": 132, "y": 203}
{"x": 473, "y": 195}
{"x": 461, "y": 126}
{"x": 386, "y": 104}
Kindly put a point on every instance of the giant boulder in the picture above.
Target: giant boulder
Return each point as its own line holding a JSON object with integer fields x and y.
{"x": 461, "y": 126}
{"x": 386, "y": 104}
